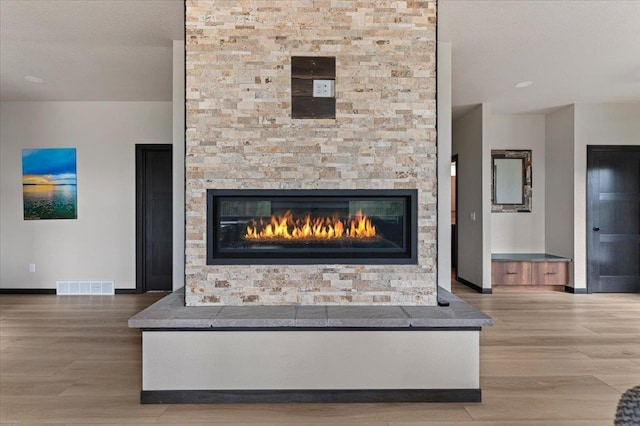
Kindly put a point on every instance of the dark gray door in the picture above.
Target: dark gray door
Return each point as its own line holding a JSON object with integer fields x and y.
{"x": 613, "y": 219}
{"x": 154, "y": 217}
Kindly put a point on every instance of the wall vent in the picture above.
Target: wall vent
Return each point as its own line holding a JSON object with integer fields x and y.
{"x": 71, "y": 288}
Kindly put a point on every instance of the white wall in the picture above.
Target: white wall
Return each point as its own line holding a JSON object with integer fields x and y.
{"x": 520, "y": 232}
{"x": 486, "y": 198}
{"x": 601, "y": 124}
{"x": 178, "y": 164}
{"x": 100, "y": 244}
{"x": 467, "y": 134}
{"x": 559, "y": 131}
{"x": 444, "y": 165}
{"x": 559, "y": 142}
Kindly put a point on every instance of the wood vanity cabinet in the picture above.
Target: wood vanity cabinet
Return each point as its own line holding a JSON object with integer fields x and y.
{"x": 550, "y": 273}
{"x": 510, "y": 273}
{"x": 529, "y": 270}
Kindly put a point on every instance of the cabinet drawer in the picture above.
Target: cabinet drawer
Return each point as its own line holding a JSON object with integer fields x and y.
{"x": 550, "y": 273}
{"x": 510, "y": 273}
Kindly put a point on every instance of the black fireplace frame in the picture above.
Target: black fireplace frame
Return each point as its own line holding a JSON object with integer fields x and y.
{"x": 410, "y": 257}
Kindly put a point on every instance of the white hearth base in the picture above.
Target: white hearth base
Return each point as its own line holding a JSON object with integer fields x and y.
{"x": 397, "y": 354}
{"x": 264, "y": 360}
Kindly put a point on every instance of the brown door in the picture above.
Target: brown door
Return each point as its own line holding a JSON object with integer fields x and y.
{"x": 154, "y": 218}
{"x": 613, "y": 219}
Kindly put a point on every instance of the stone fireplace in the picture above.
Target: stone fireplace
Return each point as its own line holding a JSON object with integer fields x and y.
{"x": 299, "y": 207}
{"x": 241, "y": 136}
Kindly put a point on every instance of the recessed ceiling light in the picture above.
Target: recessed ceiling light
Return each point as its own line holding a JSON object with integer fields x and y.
{"x": 33, "y": 79}
{"x": 523, "y": 84}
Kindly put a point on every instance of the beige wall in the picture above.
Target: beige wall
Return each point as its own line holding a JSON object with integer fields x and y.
{"x": 240, "y": 134}
{"x": 520, "y": 232}
{"x": 467, "y": 144}
{"x": 559, "y": 142}
{"x": 559, "y": 214}
{"x": 486, "y": 196}
{"x": 100, "y": 244}
{"x": 601, "y": 124}
{"x": 474, "y": 136}
{"x": 444, "y": 165}
{"x": 178, "y": 164}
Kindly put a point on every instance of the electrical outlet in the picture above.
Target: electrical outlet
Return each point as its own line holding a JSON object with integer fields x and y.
{"x": 32, "y": 267}
{"x": 323, "y": 88}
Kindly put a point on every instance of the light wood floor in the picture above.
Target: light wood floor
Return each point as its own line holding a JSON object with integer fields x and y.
{"x": 550, "y": 359}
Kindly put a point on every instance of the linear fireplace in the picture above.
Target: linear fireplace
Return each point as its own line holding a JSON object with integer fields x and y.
{"x": 311, "y": 226}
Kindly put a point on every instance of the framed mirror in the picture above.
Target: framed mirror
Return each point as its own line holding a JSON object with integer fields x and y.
{"x": 511, "y": 181}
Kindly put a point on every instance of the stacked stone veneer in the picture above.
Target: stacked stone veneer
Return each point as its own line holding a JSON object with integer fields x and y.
{"x": 240, "y": 134}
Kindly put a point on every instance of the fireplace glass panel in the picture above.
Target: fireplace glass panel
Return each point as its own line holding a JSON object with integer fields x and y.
{"x": 311, "y": 227}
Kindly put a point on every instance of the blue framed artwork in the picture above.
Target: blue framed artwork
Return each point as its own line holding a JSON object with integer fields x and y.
{"x": 49, "y": 183}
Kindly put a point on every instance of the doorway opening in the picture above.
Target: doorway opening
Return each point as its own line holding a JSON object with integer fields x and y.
{"x": 454, "y": 217}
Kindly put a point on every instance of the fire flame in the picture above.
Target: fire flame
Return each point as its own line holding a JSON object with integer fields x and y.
{"x": 289, "y": 228}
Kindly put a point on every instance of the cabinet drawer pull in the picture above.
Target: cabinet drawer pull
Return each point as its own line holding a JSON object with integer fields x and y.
{"x": 512, "y": 273}
{"x": 551, "y": 273}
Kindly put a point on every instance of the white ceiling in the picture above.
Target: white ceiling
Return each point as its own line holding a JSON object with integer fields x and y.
{"x": 120, "y": 50}
{"x": 88, "y": 50}
{"x": 584, "y": 51}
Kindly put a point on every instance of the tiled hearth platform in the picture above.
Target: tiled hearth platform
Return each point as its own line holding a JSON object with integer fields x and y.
{"x": 310, "y": 353}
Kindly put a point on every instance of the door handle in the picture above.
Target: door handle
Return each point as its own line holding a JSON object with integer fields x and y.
{"x": 596, "y": 228}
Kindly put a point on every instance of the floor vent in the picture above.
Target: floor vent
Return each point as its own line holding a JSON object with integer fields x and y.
{"x": 71, "y": 288}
